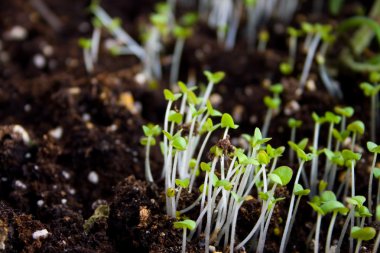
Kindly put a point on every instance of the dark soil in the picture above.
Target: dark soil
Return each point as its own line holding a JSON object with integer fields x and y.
{"x": 48, "y": 184}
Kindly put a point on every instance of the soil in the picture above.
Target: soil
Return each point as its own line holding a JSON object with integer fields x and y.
{"x": 85, "y": 131}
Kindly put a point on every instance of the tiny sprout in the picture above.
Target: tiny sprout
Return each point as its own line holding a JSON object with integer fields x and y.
{"x": 85, "y": 43}
{"x": 182, "y": 32}
{"x": 293, "y": 123}
{"x": 185, "y": 225}
{"x": 372, "y": 91}
{"x": 276, "y": 88}
{"x": 211, "y": 111}
{"x": 300, "y": 191}
{"x": 362, "y": 234}
{"x": 150, "y": 132}
{"x": 272, "y": 103}
{"x": 227, "y": 122}
{"x": 356, "y": 201}
{"x": 205, "y": 167}
{"x": 179, "y": 143}
{"x": 282, "y": 175}
{"x": 373, "y": 148}
{"x": 263, "y": 158}
{"x": 215, "y": 77}
{"x": 356, "y": 127}
{"x": 227, "y": 185}
{"x": 286, "y": 68}
{"x": 170, "y": 96}
{"x": 175, "y": 117}
{"x": 320, "y": 212}
{"x": 263, "y": 40}
{"x": 184, "y": 183}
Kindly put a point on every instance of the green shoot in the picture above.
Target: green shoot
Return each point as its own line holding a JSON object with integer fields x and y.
{"x": 372, "y": 91}
{"x": 362, "y": 234}
{"x": 375, "y": 149}
{"x": 184, "y": 225}
{"x": 150, "y": 132}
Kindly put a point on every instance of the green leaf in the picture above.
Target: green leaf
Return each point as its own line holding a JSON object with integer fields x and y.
{"x": 362, "y": 212}
{"x": 344, "y": 111}
{"x": 179, "y": 143}
{"x": 322, "y": 186}
{"x": 285, "y": 68}
{"x": 364, "y": 234}
{"x": 369, "y": 89}
{"x": 211, "y": 111}
{"x": 356, "y": 127}
{"x": 356, "y": 200}
{"x": 276, "y": 88}
{"x": 373, "y": 147}
{"x": 182, "y": 32}
{"x": 236, "y": 197}
{"x": 170, "y": 96}
{"x": 184, "y": 183}
{"x": 284, "y": 173}
{"x": 215, "y": 77}
{"x": 333, "y": 206}
{"x": 317, "y": 119}
{"x": 293, "y": 123}
{"x": 272, "y": 103}
{"x": 263, "y": 195}
{"x": 225, "y": 184}
{"x": 175, "y": 117}
{"x": 170, "y": 192}
{"x": 332, "y": 118}
{"x": 85, "y": 43}
{"x": 300, "y": 191}
{"x": 227, "y": 121}
{"x": 189, "y": 19}
{"x": 205, "y": 167}
{"x": 327, "y": 196}
{"x": 376, "y": 173}
{"x": 168, "y": 135}
{"x": 186, "y": 224}
{"x": 262, "y": 157}
{"x": 316, "y": 208}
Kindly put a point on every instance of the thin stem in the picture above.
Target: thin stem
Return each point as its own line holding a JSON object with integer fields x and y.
{"x": 329, "y": 233}
{"x": 370, "y": 184}
{"x": 317, "y": 231}
{"x": 377, "y": 243}
{"x": 148, "y": 172}
{"x": 174, "y": 70}
{"x": 344, "y": 229}
{"x": 314, "y": 163}
{"x": 292, "y": 139}
{"x": 267, "y": 120}
{"x": 358, "y": 246}
{"x": 309, "y": 60}
{"x": 184, "y": 241}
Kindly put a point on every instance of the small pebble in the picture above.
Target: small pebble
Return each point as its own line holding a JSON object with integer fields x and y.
{"x": 56, "y": 133}
{"x": 20, "y": 185}
{"x": 86, "y": 117}
{"x": 27, "y": 108}
{"x": 28, "y": 155}
{"x": 39, "y": 61}
{"x": 43, "y": 233}
{"x": 40, "y": 202}
{"x": 291, "y": 107}
{"x": 16, "y": 33}
{"x": 48, "y": 50}
{"x": 66, "y": 174}
{"x": 310, "y": 85}
{"x": 216, "y": 99}
{"x": 93, "y": 177}
{"x": 63, "y": 201}
{"x": 140, "y": 78}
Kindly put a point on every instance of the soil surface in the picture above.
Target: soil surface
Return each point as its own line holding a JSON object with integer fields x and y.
{"x": 85, "y": 130}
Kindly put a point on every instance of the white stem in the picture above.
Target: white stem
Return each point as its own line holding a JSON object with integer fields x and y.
{"x": 260, "y": 247}
{"x": 309, "y": 60}
{"x": 317, "y": 231}
{"x": 358, "y": 246}
{"x": 174, "y": 71}
{"x": 95, "y": 44}
{"x": 184, "y": 241}
{"x": 148, "y": 172}
{"x": 314, "y": 162}
{"x": 266, "y": 125}
{"x": 329, "y": 233}
{"x": 377, "y": 243}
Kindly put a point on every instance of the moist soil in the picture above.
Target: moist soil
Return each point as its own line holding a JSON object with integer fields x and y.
{"x": 81, "y": 127}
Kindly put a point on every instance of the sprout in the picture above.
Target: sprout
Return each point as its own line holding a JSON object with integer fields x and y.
{"x": 333, "y": 120}
{"x": 293, "y": 124}
{"x": 375, "y": 149}
{"x": 345, "y": 112}
{"x": 150, "y": 132}
{"x": 362, "y": 234}
{"x": 185, "y": 225}
{"x": 320, "y": 212}
{"x": 273, "y": 105}
{"x": 372, "y": 91}
{"x": 227, "y": 122}
{"x": 263, "y": 40}
{"x": 377, "y": 241}
{"x": 212, "y": 78}
{"x": 335, "y": 207}
{"x": 86, "y": 45}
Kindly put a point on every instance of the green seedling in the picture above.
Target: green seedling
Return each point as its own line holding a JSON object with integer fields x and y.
{"x": 294, "y": 34}
{"x": 150, "y": 131}
{"x": 345, "y": 113}
{"x": 362, "y": 234}
{"x": 184, "y": 225}
{"x": 181, "y": 184}
{"x": 335, "y": 159}
{"x": 375, "y": 149}
{"x": 318, "y": 121}
{"x": 181, "y": 34}
{"x": 350, "y": 159}
{"x": 320, "y": 213}
{"x": 227, "y": 122}
{"x": 377, "y": 241}
{"x": 372, "y": 91}
{"x": 332, "y": 119}
{"x": 273, "y": 104}
{"x": 86, "y": 45}
{"x": 354, "y": 202}
{"x": 263, "y": 41}
{"x": 212, "y": 79}
{"x": 357, "y": 128}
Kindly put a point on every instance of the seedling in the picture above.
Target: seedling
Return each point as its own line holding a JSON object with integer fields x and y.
{"x": 377, "y": 241}
{"x": 293, "y": 124}
{"x": 212, "y": 78}
{"x": 184, "y": 225}
{"x": 357, "y": 128}
{"x": 332, "y": 119}
{"x": 320, "y": 212}
{"x": 372, "y": 91}
{"x": 150, "y": 132}
{"x": 362, "y": 234}
{"x": 263, "y": 41}
{"x": 344, "y": 112}
{"x": 227, "y": 122}
{"x": 314, "y": 164}
{"x": 293, "y": 41}
{"x": 86, "y": 45}
{"x": 273, "y": 104}
{"x": 181, "y": 184}
{"x": 375, "y": 149}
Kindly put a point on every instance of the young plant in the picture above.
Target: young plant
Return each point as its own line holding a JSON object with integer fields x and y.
{"x": 377, "y": 241}
{"x": 263, "y": 41}
{"x": 345, "y": 113}
{"x": 86, "y": 45}
{"x": 150, "y": 132}
{"x": 314, "y": 164}
{"x": 332, "y": 119}
{"x": 350, "y": 159}
{"x": 212, "y": 78}
{"x": 273, "y": 104}
{"x": 184, "y": 225}
{"x": 293, "y": 124}
{"x": 375, "y": 149}
{"x": 320, "y": 213}
{"x": 362, "y": 234}
{"x": 372, "y": 91}
{"x": 357, "y": 128}
{"x": 303, "y": 158}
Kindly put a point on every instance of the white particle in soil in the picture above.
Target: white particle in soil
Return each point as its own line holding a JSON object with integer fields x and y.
{"x": 112, "y": 128}
{"x": 27, "y": 108}
{"x": 16, "y": 33}
{"x": 20, "y": 185}
{"x": 40, "y": 202}
{"x": 93, "y": 177}
{"x": 86, "y": 117}
{"x": 72, "y": 191}
{"x": 48, "y": 50}
{"x": 66, "y": 174}
{"x": 28, "y": 155}
{"x": 56, "y": 133}
{"x": 63, "y": 201}
{"x": 55, "y": 187}
{"x": 24, "y": 134}
{"x": 40, "y": 234}
{"x": 140, "y": 78}
{"x": 39, "y": 61}
{"x": 291, "y": 107}
{"x": 36, "y": 167}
